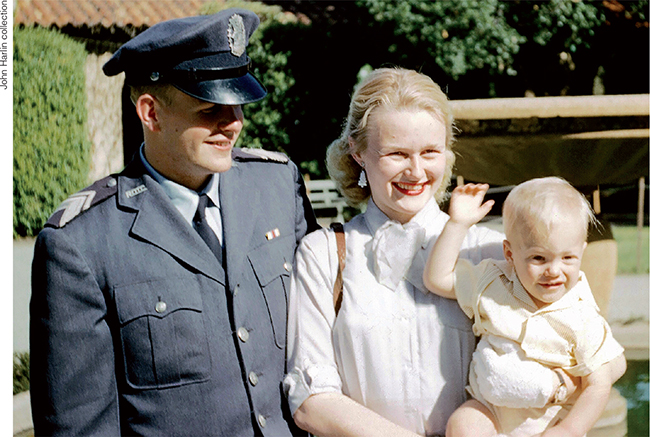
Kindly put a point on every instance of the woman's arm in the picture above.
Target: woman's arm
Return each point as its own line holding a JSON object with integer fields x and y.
{"x": 334, "y": 414}
{"x": 466, "y": 208}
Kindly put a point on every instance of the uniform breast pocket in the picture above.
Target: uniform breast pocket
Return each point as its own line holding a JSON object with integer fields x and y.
{"x": 272, "y": 264}
{"x": 162, "y": 331}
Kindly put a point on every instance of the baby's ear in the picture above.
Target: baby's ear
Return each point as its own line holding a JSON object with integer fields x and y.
{"x": 507, "y": 251}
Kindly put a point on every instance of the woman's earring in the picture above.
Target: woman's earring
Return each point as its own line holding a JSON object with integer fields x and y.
{"x": 363, "y": 181}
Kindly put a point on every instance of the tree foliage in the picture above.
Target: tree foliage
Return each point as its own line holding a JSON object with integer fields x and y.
{"x": 473, "y": 49}
{"x": 457, "y": 36}
{"x": 504, "y": 49}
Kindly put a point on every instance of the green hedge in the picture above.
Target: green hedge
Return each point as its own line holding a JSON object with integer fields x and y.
{"x": 21, "y": 372}
{"x": 51, "y": 146}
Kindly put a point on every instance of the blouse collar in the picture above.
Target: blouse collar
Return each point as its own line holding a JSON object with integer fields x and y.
{"x": 398, "y": 251}
{"x": 375, "y": 218}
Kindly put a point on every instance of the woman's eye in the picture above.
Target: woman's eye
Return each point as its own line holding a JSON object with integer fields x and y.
{"x": 538, "y": 258}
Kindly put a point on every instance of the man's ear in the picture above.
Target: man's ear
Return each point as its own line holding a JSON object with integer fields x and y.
{"x": 147, "y": 108}
{"x": 507, "y": 251}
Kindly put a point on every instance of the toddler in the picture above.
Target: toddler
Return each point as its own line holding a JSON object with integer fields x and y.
{"x": 534, "y": 307}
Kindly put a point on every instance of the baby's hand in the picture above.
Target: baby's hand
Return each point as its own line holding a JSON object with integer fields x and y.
{"x": 466, "y": 205}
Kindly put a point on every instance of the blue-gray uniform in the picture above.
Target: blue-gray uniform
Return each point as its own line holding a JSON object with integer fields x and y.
{"x": 137, "y": 330}
{"x": 140, "y": 323}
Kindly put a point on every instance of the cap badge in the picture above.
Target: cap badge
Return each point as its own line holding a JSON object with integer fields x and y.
{"x": 237, "y": 35}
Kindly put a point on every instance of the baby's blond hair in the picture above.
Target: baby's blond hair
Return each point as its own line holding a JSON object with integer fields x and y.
{"x": 535, "y": 205}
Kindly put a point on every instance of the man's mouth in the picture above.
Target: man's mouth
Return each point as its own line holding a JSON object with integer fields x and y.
{"x": 220, "y": 144}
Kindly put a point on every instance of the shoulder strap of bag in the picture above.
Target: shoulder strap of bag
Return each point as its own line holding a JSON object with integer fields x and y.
{"x": 340, "y": 249}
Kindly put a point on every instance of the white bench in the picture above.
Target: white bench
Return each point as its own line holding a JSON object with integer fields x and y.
{"x": 324, "y": 196}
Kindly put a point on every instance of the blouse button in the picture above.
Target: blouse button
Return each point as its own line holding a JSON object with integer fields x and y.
{"x": 161, "y": 307}
{"x": 243, "y": 334}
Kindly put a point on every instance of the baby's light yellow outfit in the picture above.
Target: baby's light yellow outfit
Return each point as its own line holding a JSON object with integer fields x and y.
{"x": 569, "y": 333}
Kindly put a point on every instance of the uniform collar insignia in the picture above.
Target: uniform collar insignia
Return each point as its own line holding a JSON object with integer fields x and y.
{"x": 237, "y": 35}
{"x": 135, "y": 191}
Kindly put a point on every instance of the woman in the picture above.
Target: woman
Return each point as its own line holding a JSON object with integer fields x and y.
{"x": 394, "y": 361}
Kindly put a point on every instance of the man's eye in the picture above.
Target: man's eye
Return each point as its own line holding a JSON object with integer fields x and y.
{"x": 211, "y": 109}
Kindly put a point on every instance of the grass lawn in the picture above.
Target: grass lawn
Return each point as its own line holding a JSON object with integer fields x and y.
{"x": 626, "y": 238}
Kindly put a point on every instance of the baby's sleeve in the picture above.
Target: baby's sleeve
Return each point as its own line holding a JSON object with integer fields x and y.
{"x": 595, "y": 344}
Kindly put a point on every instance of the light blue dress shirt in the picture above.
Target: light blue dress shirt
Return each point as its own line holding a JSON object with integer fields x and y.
{"x": 186, "y": 201}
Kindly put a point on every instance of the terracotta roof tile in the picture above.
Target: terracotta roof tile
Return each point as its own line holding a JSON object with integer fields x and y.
{"x": 105, "y": 13}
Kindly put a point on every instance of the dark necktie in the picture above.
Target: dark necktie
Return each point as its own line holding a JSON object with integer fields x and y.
{"x": 203, "y": 228}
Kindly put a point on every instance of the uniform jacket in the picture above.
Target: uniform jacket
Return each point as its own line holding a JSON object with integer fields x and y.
{"x": 136, "y": 329}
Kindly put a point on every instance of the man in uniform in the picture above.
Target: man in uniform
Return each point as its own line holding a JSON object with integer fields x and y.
{"x": 159, "y": 295}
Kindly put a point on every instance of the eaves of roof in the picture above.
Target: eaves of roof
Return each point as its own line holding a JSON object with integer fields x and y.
{"x": 103, "y": 13}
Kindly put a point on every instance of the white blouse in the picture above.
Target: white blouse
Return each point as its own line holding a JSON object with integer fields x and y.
{"x": 395, "y": 348}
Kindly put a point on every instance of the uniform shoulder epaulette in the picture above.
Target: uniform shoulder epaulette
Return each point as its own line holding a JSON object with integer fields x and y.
{"x": 82, "y": 201}
{"x": 246, "y": 154}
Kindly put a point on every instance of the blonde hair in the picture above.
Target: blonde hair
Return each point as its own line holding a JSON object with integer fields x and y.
{"x": 395, "y": 89}
{"x": 161, "y": 92}
{"x": 535, "y": 205}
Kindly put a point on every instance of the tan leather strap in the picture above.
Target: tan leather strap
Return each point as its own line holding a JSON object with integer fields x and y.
{"x": 340, "y": 250}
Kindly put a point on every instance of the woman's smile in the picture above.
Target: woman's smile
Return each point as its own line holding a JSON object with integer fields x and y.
{"x": 410, "y": 189}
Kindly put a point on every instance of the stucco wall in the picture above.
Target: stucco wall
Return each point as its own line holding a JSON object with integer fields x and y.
{"x": 104, "y": 105}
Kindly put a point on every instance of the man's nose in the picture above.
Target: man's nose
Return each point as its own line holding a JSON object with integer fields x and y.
{"x": 230, "y": 115}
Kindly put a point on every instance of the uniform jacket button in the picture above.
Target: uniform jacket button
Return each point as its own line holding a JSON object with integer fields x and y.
{"x": 262, "y": 420}
{"x": 252, "y": 377}
{"x": 288, "y": 267}
{"x": 243, "y": 335}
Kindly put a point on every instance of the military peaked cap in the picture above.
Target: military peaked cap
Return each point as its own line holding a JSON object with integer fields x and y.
{"x": 204, "y": 56}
